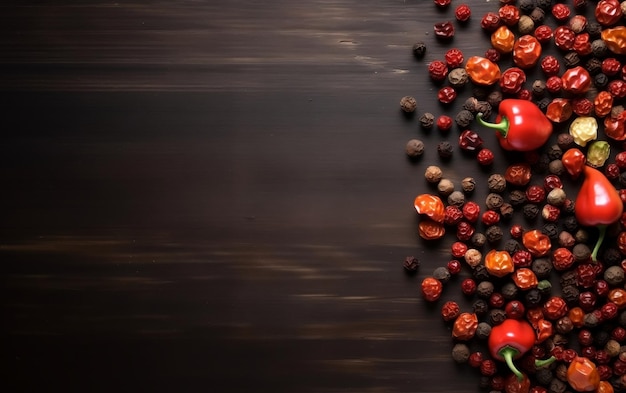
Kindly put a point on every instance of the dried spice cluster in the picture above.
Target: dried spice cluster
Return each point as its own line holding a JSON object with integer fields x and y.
{"x": 548, "y": 311}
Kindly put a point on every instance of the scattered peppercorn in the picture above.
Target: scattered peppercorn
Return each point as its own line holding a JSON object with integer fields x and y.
{"x": 427, "y": 120}
{"x": 411, "y": 264}
{"x": 408, "y": 104}
{"x": 414, "y": 148}
{"x": 419, "y": 49}
{"x": 464, "y": 118}
{"x": 445, "y": 149}
{"x": 468, "y": 184}
{"x": 445, "y": 187}
{"x": 433, "y": 174}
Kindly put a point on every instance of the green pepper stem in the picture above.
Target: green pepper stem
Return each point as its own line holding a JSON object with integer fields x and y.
{"x": 508, "y": 353}
{"x": 502, "y": 127}
{"x": 544, "y": 362}
{"x": 594, "y": 253}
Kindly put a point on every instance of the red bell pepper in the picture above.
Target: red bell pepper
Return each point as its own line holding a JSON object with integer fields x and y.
{"x": 598, "y": 204}
{"x": 520, "y": 125}
{"x": 510, "y": 340}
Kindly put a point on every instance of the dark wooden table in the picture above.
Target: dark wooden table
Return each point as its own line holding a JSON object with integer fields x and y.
{"x": 214, "y": 196}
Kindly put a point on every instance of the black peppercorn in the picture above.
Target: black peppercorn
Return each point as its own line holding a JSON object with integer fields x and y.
{"x": 470, "y": 104}
{"x": 542, "y": 164}
{"x": 484, "y": 382}
{"x": 530, "y": 211}
{"x": 494, "y": 98}
{"x": 593, "y": 66}
{"x": 555, "y": 152}
{"x": 460, "y": 353}
{"x": 480, "y": 273}
{"x": 414, "y": 148}
{"x": 494, "y": 234}
{"x": 478, "y": 240}
{"x": 565, "y": 141}
{"x": 517, "y": 198}
{"x": 411, "y": 264}
{"x": 484, "y": 289}
{"x": 496, "y": 316}
{"x": 568, "y": 278}
{"x": 526, "y": 6}
{"x": 485, "y": 108}
{"x": 544, "y": 375}
{"x": 611, "y": 256}
{"x": 590, "y": 320}
{"x": 581, "y": 252}
{"x": 483, "y": 331}
{"x": 442, "y": 274}
{"x": 480, "y": 92}
{"x": 537, "y": 15}
{"x": 419, "y": 49}
{"x": 622, "y": 179}
{"x": 570, "y": 224}
{"x": 600, "y": 80}
{"x": 533, "y": 297}
{"x": 601, "y": 337}
{"x": 512, "y": 246}
{"x": 614, "y": 275}
{"x": 594, "y": 29}
{"x": 557, "y": 386}
{"x": 494, "y": 201}
{"x": 427, "y": 120}
{"x": 599, "y": 48}
{"x": 542, "y": 267}
{"x": 570, "y": 293}
{"x": 464, "y": 118}
{"x": 551, "y": 230}
{"x": 543, "y": 4}
{"x": 543, "y": 104}
{"x": 539, "y": 88}
{"x": 445, "y": 149}
{"x": 506, "y": 211}
{"x": 509, "y": 291}
{"x": 480, "y": 307}
{"x": 571, "y": 60}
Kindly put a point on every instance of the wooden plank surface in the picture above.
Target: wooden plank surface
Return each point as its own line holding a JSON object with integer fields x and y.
{"x": 213, "y": 196}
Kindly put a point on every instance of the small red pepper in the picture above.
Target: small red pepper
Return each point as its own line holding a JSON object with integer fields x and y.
{"x": 510, "y": 340}
{"x": 598, "y": 204}
{"x": 520, "y": 124}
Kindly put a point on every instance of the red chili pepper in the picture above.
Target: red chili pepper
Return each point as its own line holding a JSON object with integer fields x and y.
{"x": 510, "y": 340}
{"x": 520, "y": 124}
{"x": 598, "y": 204}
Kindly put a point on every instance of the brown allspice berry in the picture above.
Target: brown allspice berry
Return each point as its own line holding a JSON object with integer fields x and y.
{"x": 556, "y": 167}
{"x": 456, "y": 198}
{"x": 464, "y": 118}
{"x": 470, "y": 104}
{"x": 506, "y": 211}
{"x": 525, "y": 25}
{"x": 494, "y": 98}
{"x": 581, "y": 252}
{"x": 460, "y": 353}
{"x": 496, "y": 183}
{"x": 445, "y": 149}
{"x": 445, "y": 187}
{"x": 458, "y": 78}
{"x": 556, "y": 197}
{"x": 468, "y": 185}
{"x": 566, "y": 239}
{"x": 433, "y": 174}
{"x": 485, "y": 108}
{"x": 414, "y": 148}
{"x": 494, "y": 234}
{"x": 494, "y": 201}
{"x": 408, "y": 104}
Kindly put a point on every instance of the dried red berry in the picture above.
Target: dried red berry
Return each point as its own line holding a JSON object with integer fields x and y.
{"x": 543, "y": 34}
{"x": 444, "y": 123}
{"x": 444, "y": 30}
{"x": 485, "y": 157}
{"x": 463, "y": 13}
{"x": 438, "y": 70}
{"x": 490, "y": 22}
{"x": 561, "y": 12}
{"x": 470, "y": 140}
{"x": 454, "y": 57}
{"x": 564, "y": 38}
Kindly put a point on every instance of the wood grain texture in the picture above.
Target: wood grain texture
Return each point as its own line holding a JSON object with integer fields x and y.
{"x": 213, "y": 196}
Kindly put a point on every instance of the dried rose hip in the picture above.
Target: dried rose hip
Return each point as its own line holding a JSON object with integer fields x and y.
{"x": 462, "y": 13}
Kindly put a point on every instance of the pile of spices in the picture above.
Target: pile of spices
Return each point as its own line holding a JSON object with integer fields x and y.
{"x": 542, "y": 259}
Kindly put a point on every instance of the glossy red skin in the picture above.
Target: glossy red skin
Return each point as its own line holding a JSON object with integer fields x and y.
{"x": 598, "y": 202}
{"x": 513, "y": 333}
{"x": 529, "y": 128}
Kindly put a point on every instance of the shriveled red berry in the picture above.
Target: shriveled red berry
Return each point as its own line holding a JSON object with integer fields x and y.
{"x": 431, "y": 289}
{"x": 453, "y": 215}
{"x": 444, "y": 30}
{"x": 444, "y": 123}
{"x": 561, "y": 12}
{"x": 611, "y": 66}
{"x": 464, "y": 231}
{"x": 516, "y": 231}
{"x": 454, "y": 57}
{"x": 485, "y": 157}
{"x": 438, "y": 70}
{"x": 471, "y": 211}
{"x": 490, "y": 217}
{"x": 442, "y": 3}
{"x": 458, "y": 249}
{"x": 488, "y": 367}
{"x": 463, "y": 13}
{"x": 446, "y": 95}
{"x": 470, "y": 140}
{"x": 454, "y": 266}
{"x": 564, "y": 38}
{"x": 493, "y": 55}
{"x": 550, "y": 65}
{"x": 509, "y": 14}
{"x": 554, "y": 84}
{"x": 475, "y": 359}
{"x": 515, "y": 309}
{"x": 450, "y": 311}
{"x": 468, "y": 286}
{"x": 522, "y": 258}
{"x": 543, "y": 34}
{"x": 490, "y": 22}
